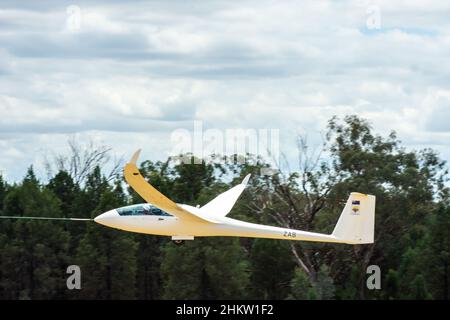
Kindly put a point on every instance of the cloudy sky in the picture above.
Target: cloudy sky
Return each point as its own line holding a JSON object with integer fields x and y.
{"x": 129, "y": 73}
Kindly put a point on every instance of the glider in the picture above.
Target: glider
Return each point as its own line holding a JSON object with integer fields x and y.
{"x": 161, "y": 216}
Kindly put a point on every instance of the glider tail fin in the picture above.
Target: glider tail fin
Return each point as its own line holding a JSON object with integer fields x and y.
{"x": 356, "y": 224}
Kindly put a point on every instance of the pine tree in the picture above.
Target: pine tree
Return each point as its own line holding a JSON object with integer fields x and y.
{"x": 437, "y": 254}
{"x": 391, "y": 285}
{"x": 148, "y": 264}
{"x": 37, "y": 250}
{"x": 189, "y": 181}
{"x": 107, "y": 257}
{"x": 272, "y": 268}
{"x": 63, "y": 186}
{"x": 301, "y": 288}
{"x": 205, "y": 269}
{"x": 419, "y": 289}
{"x": 3, "y": 190}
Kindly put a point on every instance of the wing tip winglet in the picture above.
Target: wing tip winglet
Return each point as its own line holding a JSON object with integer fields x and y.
{"x": 135, "y": 156}
{"x": 245, "y": 181}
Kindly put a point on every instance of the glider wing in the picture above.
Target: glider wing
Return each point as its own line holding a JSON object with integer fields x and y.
{"x": 222, "y": 204}
{"x": 153, "y": 196}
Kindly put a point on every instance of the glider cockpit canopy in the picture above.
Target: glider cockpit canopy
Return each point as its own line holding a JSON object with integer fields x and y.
{"x": 141, "y": 210}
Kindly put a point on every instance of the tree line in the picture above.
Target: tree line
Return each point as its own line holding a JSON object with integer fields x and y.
{"x": 412, "y": 243}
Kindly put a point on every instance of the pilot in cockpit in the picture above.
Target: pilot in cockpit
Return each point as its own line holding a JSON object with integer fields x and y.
{"x": 147, "y": 209}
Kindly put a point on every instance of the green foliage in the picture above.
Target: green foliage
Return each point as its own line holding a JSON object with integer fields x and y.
{"x": 407, "y": 185}
{"x": 205, "y": 269}
{"x": 412, "y": 245}
{"x": 107, "y": 257}
{"x": 437, "y": 254}
{"x": 425, "y": 264}
{"x": 190, "y": 179}
{"x": 3, "y": 191}
{"x": 63, "y": 186}
{"x": 392, "y": 285}
{"x": 324, "y": 285}
{"x": 301, "y": 287}
{"x": 419, "y": 289}
{"x": 271, "y": 281}
{"x": 148, "y": 260}
{"x": 36, "y": 252}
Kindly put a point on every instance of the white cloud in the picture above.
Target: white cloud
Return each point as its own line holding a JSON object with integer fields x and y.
{"x": 137, "y": 70}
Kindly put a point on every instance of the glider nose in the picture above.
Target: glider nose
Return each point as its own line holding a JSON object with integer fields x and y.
{"x": 107, "y": 218}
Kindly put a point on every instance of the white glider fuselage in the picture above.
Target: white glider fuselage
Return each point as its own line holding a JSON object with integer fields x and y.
{"x": 224, "y": 226}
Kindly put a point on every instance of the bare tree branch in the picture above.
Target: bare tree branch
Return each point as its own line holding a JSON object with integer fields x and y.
{"x": 81, "y": 159}
{"x": 295, "y": 199}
